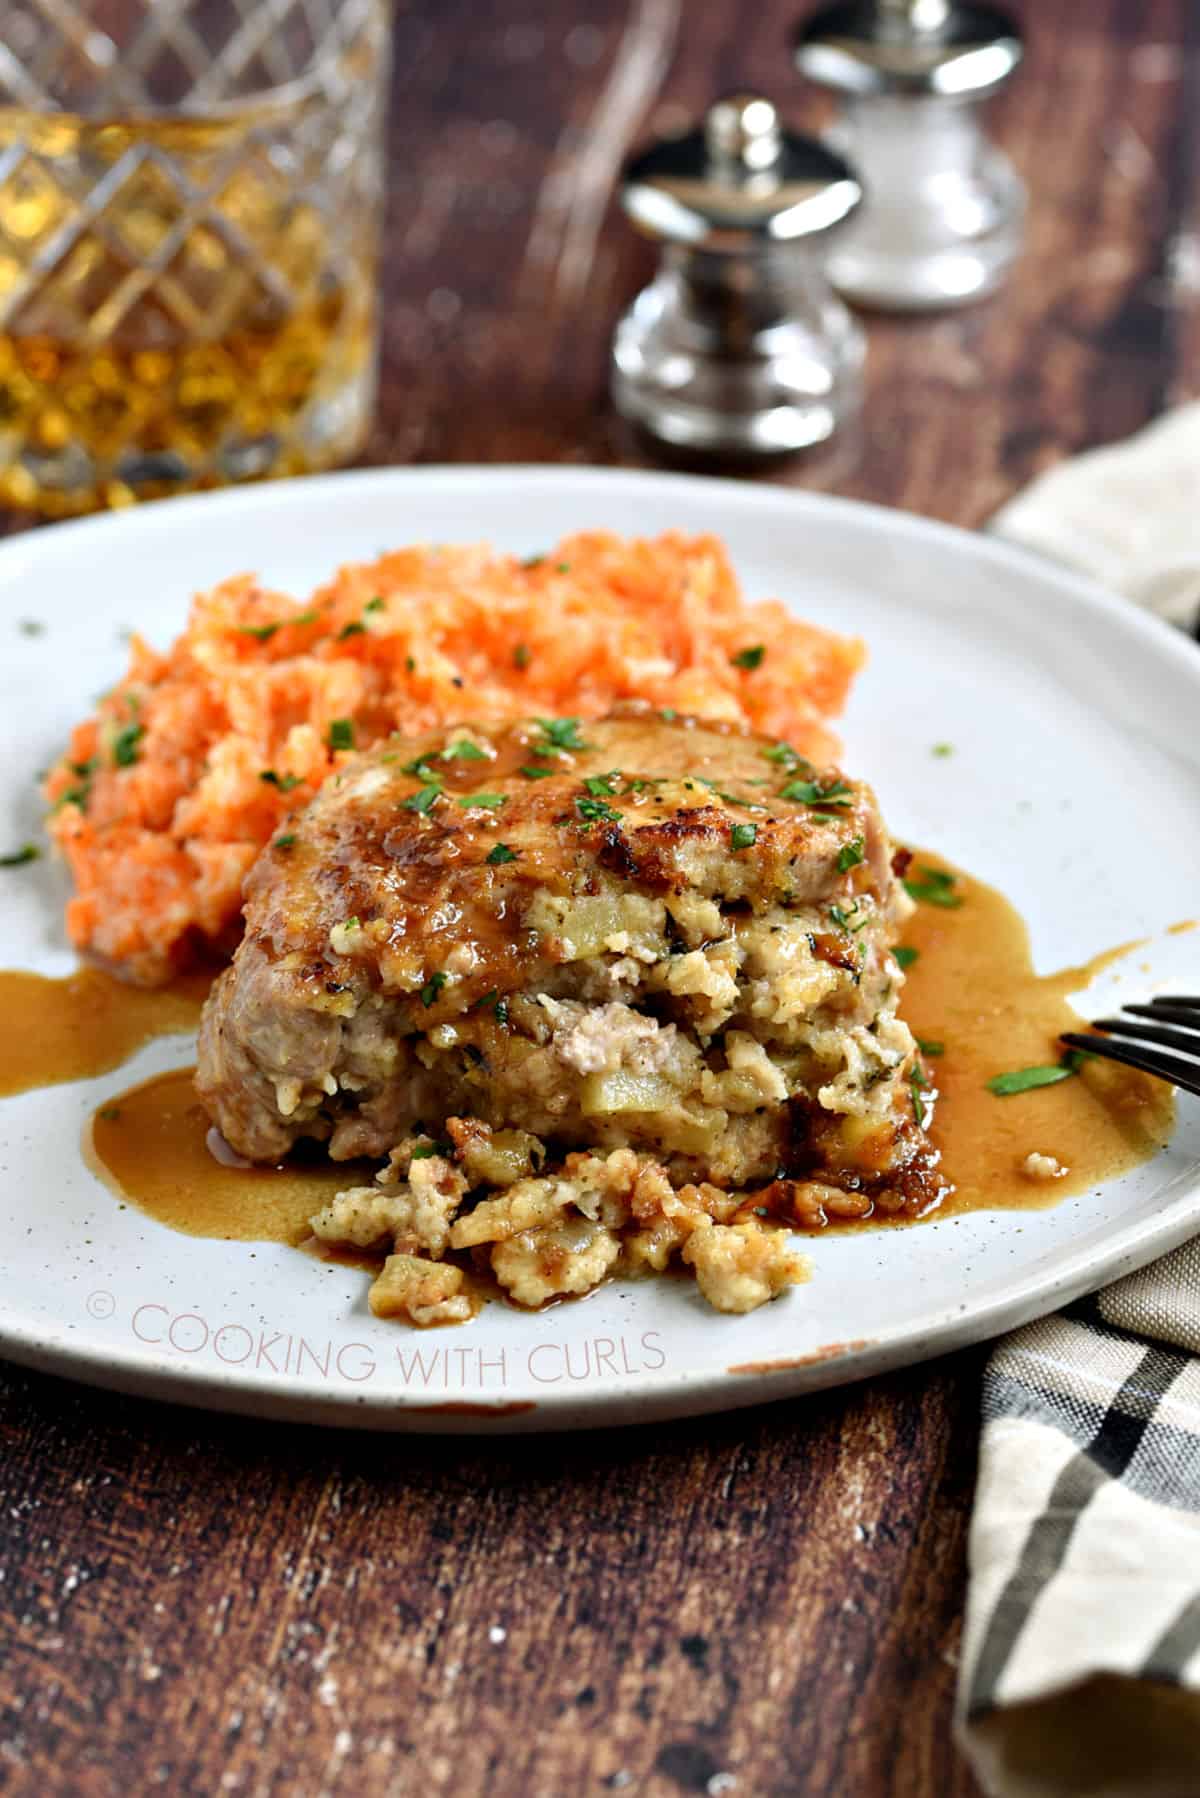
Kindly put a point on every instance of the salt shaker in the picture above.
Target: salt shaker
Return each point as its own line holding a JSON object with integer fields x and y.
{"x": 945, "y": 210}
{"x": 738, "y": 346}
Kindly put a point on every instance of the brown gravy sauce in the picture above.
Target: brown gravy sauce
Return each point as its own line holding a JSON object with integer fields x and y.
{"x": 150, "y": 1144}
{"x": 972, "y": 988}
{"x": 85, "y": 1023}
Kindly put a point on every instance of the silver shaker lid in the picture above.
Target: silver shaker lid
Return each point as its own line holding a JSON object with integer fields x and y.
{"x": 939, "y": 48}
{"x": 739, "y": 182}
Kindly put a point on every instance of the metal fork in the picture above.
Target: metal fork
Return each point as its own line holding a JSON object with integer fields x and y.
{"x": 1174, "y": 1009}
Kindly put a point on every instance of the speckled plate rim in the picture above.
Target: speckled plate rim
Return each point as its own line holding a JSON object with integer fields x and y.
{"x": 1039, "y": 594}
{"x": 835, "y": 1364}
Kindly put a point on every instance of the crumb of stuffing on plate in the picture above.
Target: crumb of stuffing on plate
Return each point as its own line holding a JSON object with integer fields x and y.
{"x": 1043, "y": 1167}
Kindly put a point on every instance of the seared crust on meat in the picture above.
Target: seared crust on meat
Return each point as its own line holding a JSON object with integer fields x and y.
{"x": 394, "y": 846}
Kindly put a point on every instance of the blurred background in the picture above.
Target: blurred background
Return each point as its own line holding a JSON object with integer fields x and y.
{"x": 506, "y": 260}
{"x": 499, "y": 251}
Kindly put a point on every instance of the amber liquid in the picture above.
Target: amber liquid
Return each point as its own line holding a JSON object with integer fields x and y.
{"x": 169, "y": 344}
{"x": 151, "y": 1145}
{"x": 85, "y": 1024}
{"x": 973, "y": 989}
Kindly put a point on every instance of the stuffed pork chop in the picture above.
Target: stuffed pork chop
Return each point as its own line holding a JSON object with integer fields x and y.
{"x": 497, "y": 949}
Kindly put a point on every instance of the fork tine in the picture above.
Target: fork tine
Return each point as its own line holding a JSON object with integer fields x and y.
{"x": 1147, "y": 1061}
{"x": 1174, "y": 1011}
{"x": 1185, "y": 1001}
{"x": 1150, "y": 1033}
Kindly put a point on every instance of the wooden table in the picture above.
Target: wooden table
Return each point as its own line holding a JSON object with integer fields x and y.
{"x": 766, "y": 1603}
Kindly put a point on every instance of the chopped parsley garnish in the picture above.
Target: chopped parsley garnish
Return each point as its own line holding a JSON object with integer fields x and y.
{"x": 751, "y": 657}
{"x": 562, "y": 568}
{"x": 28, "y": 852}
{"x": 601, "y": 785}
{"x": 935, "y": 887}
{"x": 410, "y": 664}
{"x": 74, "y": 796}
{"x": 729, "y": 798}
{"x": 532, "y": 561}
{"x": 916, "y": 1080}
{"x": 354, "y": 629}
{"x": 462, "y": 751}
{"x": 110, "y": 1113}
{"x": 432, "y": 988}
{"x": 424, "y": 800}
{"x": 743, "y": 836}
{"x": 789, "y": 758}
{"x": 928, "y": 1047}
{"x": 424, "y": 1152}
{"x": 521, "y": 657}
{"x": 1023, "y": 1080}
{"x": 561, "y": 733}
{"x": 594, "y": 811}
{"x": 125, "y": 745}
{"x": 500, "y": 854}
{"x": 842, "y": 918}
{"x": 668, "y": 714}
{"x": 420, "y": 768}
{"x": 942, "y": 750}
{"x": 813, "y": 792}
{"x": 264, "y": 632}
{"x": 851, "y": 854}
{"x": 532, "y": 773}
{"x": 341, "y": 733}
{"x": 374, "y": 605}
{"x": 496, "y": 1003}
{"x": 285, "y": 782}
{"x": 493, "y": 801}
{"x": 904, "y": 955}
{"x": 284, "y": 842}
{"x": 31, "y": 627}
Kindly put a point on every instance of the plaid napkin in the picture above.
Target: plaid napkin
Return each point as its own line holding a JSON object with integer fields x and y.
{"x": 1081, "y": 1659}
{"x": 1085, "y": 1549}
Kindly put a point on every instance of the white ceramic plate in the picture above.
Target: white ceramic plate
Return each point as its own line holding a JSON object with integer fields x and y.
{"x": 1074, "y": 787}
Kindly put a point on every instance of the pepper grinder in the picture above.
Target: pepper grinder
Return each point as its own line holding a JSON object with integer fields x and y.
{"x": 738, "y": 346}
{"x": 944, "y": 213}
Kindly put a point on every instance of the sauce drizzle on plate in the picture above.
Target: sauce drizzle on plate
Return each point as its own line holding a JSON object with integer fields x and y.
{"x": 973, "y": 989}
{"x": 85, "y": 1023}
{"x": 151, "y": 1146}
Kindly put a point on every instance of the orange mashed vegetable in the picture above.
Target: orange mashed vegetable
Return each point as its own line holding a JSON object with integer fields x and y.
{"x": 197, "y": 757}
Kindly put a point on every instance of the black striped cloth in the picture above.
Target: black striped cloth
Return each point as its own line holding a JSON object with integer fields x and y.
{"x": 1081, "y": 1656}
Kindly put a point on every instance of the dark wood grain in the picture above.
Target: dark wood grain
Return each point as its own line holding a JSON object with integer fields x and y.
{"x": 196, "y": 1605}
{"x": 773, "y": 1595}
